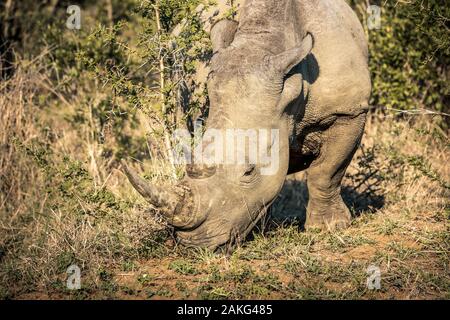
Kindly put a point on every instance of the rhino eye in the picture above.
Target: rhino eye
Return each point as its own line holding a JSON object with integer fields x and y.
{"x": 250, "y": 176}
{"x": 249, "y": 171}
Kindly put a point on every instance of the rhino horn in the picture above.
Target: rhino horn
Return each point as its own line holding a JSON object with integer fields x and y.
{"x": 170, "y": 202}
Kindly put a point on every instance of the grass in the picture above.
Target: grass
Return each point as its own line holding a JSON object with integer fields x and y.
{"x": 396, "y": 188}
{"x": 63, "y": 201}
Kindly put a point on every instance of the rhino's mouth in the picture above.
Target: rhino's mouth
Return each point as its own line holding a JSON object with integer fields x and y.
{"x": 210, "y": 237}
{"x": 218, "y": 231}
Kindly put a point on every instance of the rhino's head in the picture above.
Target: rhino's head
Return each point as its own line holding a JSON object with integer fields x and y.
{"x": 249, "y": 89}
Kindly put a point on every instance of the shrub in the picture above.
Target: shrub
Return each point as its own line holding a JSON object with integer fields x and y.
{"x": 409, "y": 54}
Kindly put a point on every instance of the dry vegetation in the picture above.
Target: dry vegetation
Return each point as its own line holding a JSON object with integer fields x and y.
{"x": 64, "y": 201}
{"x": 56, "y": 213}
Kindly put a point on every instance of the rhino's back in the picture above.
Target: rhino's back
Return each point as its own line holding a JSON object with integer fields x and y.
{"x": 336, "y": 74}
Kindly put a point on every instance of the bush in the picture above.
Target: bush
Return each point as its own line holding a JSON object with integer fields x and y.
{"x": 74, "y": 102}
{"x": 410, "y": 54}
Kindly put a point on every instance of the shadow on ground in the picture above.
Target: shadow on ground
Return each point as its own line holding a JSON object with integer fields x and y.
{"x": 290, "y": 207}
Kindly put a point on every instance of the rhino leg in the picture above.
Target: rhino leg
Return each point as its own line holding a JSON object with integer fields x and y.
{"x": 326, "y": 209}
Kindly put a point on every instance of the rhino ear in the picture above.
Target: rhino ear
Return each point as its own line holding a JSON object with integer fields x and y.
{"x": 222, "y": 33}
{"x": 284, "y": 62}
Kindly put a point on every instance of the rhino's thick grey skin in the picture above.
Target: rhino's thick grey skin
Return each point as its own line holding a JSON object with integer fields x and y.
{"x": 264, "y": 74}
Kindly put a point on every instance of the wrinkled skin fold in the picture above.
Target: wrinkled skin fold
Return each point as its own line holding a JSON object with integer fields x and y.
{"x": 295, "y": 66}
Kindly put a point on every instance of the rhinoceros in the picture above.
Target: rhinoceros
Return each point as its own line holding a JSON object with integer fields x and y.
{"x": 297, "y": 66}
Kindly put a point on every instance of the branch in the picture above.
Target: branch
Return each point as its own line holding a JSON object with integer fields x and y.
{"x": 415, "y": 112}
{"x": 109, "y": 10}
{"x": 162, "y": 85}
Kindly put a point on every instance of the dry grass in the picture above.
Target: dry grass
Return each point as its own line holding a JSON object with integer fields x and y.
{"x": 17, "y": 121}
{"x": 64, "y": 202}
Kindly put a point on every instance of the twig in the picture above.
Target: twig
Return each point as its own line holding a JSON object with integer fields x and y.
{"x": 415, "y": 112}
{"x": 109, "y": 9}
{"x": 162, "y": 87}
